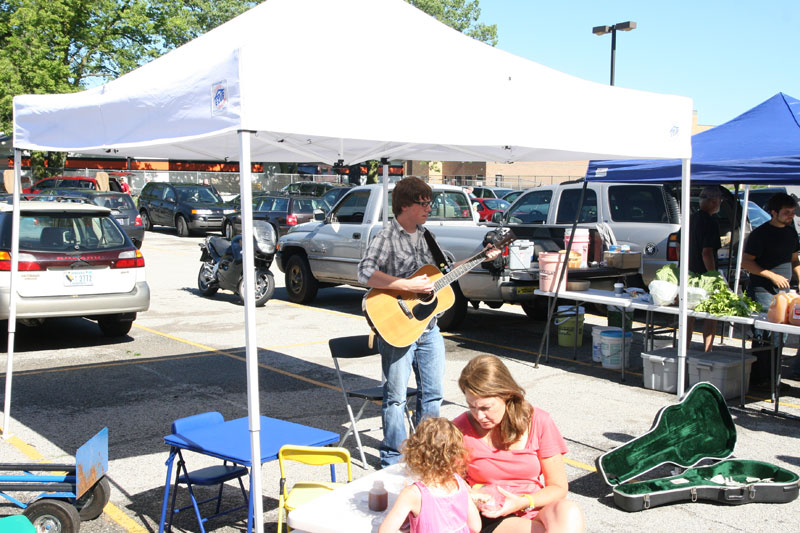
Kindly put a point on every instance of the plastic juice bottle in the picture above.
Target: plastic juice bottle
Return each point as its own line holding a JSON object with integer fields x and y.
{"x": 779, "y": 308}
{"x": 794, "y": 309}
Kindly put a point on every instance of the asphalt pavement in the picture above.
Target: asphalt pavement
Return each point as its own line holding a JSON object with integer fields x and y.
{"x": 186, "y": 355}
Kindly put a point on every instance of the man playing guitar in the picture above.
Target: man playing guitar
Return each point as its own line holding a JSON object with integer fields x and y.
{"x": 396, "y": 253}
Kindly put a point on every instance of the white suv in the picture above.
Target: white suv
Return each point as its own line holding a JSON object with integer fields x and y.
{"x": 74, "y": 260}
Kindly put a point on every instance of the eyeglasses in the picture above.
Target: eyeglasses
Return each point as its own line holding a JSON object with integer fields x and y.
{"x": 424, "y": 204}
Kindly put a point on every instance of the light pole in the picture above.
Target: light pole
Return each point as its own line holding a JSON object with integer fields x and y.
{"x": 621, "y": 26}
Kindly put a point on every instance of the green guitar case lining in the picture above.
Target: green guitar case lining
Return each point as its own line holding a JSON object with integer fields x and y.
{"x": 698, "y": 429}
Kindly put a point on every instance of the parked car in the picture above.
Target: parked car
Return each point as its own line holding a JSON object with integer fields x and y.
{"x": 489, "y": 192}
{"x": 486, "y": 207}
{"x": 309, "y": 188}
{"x": 761, "y": 198}
{"x": 71, "y": 182}
{"x": 511, "y": 196}
{"x": 283, "y": 212}
{"x": 185, "y": 206}
{"x": 641, "y": 215}
{"x": 333, "y": 195}
{"x": 122, "y": 206}
{"x": 75, "y": 261}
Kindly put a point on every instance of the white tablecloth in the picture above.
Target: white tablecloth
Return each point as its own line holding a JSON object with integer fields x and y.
{"x": 346, "y": 509}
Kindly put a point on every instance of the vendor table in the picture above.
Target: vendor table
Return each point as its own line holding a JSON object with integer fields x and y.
{"x": 626, "y": 302}
{"x": 230, "y": 441}
{"x": 346, "y": 509}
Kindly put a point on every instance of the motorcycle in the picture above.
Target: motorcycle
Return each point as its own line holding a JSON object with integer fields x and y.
{"x": 222, "y": 264}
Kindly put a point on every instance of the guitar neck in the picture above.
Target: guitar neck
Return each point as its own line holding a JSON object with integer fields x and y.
{"x": 459, "y": 271}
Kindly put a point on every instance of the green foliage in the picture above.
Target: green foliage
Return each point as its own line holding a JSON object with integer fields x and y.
{"x": 62, "y": 46}
{"x": 461, "y": 15}
{"x": 721, "y": 301}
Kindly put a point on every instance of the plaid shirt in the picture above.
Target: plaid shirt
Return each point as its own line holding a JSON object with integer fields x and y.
{"x": 392, "y": 252}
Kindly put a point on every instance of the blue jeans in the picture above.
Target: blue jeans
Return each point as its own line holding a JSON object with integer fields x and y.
{"x": 426, "y": 358}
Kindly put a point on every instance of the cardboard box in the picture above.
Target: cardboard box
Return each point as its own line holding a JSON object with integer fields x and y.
{"x": 623, "y": 259}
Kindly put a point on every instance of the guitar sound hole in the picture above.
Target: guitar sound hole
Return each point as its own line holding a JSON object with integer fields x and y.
{"x": 425, "y": 297}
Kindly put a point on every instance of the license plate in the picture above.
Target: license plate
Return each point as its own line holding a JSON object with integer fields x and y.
{"x": 122, "y": 220}
{"x": 525, "y": 290}
{"x": 78, "y": 278}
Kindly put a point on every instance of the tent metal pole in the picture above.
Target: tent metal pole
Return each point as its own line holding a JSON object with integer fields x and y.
{"x": 12, "y": 293}
{"x": 251, "y": 343}
{"x": 740, "y": 248}
{"x": 385, "y": 194}
{"x": 683, "y": 332}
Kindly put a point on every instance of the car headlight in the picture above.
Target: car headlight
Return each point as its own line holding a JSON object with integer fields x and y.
{"x": 201, "y": 211}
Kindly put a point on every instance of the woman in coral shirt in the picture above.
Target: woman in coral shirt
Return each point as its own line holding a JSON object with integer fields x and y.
{"x": 512, "y": 446}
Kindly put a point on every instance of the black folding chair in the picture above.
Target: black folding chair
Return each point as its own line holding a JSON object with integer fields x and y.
{"x": 355, "y": 347}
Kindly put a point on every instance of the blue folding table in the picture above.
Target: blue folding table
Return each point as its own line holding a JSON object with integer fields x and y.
{"x": 230, "y": 441}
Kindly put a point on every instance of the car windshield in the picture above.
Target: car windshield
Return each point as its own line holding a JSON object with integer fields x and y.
{"x": 198, "y": 194}
{"x": 308, "y": 205}
{"x": 66, "y": 232}
{"x": 494, "y": 203}
{"x": 756, "y": 215}
{"x": 120, "y": 202}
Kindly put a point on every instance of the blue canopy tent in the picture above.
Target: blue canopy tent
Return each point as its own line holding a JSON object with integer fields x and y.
{"x": 761, "y": 145}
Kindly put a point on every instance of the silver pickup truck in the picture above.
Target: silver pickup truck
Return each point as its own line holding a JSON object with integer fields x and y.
{"x": 326, "y": 252}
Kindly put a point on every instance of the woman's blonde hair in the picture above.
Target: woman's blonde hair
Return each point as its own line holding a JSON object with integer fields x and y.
{"x": 486, "y": 376}
{"x": 436, "y": 451}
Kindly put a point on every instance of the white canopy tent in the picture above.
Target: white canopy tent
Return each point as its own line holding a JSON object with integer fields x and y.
{"x": 241, "y": 93}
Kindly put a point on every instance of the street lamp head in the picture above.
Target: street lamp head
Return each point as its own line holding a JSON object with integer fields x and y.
{"x": 601, "y": 30}
{"x": 625, "y": 26}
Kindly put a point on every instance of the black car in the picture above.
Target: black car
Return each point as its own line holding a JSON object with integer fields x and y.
{"x": 309, "y": 188}
{"x": 283, "y": 212}
{"x": 122, "y": 206}
{"x": 185, "y": 206}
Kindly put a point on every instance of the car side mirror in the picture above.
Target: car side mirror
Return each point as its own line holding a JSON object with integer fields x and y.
{"x": 319, "y": 215}
{"x": 497, "y": 217}
{"x": 170, "y": 200}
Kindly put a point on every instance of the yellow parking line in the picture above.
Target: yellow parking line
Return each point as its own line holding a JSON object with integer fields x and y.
{"x": 578, "y": 464}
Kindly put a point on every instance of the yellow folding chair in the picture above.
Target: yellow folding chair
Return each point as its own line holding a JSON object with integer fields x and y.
{"x": 303, "y": 492}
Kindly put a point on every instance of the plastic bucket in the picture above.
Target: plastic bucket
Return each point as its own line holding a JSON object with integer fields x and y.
{"x": 565, "y": 322}
{"x": 611, "y": 347}
{"x": 580, "y": 243}
{"x": 615, "y": 317}
{"x": 597, "y": 346}
{"x": 549, "y": 271}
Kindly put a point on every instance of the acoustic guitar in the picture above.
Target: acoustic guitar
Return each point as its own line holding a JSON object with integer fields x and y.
{"x": 400, "y": 317}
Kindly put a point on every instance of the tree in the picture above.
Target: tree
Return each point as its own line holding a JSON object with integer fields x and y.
{"x": 61, "y": 46}
{"x": 461, "y": 15}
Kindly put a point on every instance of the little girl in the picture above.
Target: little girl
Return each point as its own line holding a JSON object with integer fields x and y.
{"x": 439, "y": 502}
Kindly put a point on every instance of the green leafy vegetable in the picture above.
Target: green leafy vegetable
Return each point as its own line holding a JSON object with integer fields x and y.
{"x": 721, "y": 301}
{"x": 669, "y": 273}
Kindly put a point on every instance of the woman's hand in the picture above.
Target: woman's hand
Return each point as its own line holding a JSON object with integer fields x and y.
{"x": 511, "y": 505}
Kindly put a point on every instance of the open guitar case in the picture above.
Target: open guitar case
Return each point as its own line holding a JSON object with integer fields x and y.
{"x": 698, "y": 429}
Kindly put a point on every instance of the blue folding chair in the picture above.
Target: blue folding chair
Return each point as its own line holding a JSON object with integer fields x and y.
{"x": 205, "y": 477}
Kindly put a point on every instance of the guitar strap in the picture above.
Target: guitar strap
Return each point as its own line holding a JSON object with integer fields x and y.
{"x": 441, "y": 261}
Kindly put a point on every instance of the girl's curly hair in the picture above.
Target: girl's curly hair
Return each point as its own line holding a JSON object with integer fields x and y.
{"x": 436, "y": 451}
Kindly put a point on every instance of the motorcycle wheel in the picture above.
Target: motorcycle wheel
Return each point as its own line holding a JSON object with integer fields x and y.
{"x": 205, "y": 280}
{"x": 265, "y": 286}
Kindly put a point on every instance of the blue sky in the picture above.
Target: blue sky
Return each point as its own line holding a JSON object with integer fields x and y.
{"x": 728, "y": 56}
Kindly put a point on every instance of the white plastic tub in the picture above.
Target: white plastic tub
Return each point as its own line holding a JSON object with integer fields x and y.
{"x": 660, "y": 370}
{"x": 723, "y": 369}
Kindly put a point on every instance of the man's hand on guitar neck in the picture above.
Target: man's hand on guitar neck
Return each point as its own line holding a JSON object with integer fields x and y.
{"x": 490, "y": 251}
